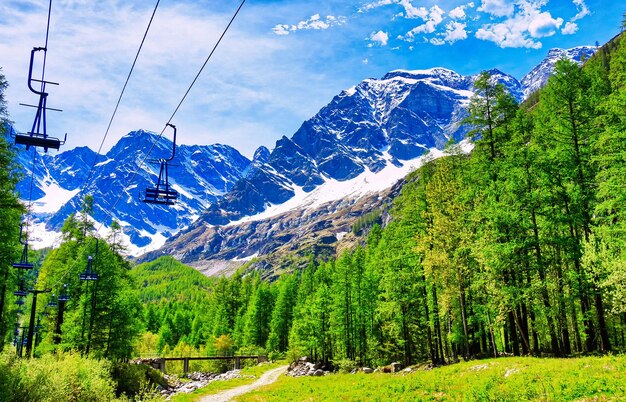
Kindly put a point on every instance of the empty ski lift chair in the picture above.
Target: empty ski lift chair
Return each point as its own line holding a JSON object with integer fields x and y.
{"x": 23, "y": 264}
{"x": 162, "y": 193}
{"x": 38, "y": 137}
{"x": 64, "y": 297}
{"x": 89, "y": 274}
{"x": 21, "y": 287}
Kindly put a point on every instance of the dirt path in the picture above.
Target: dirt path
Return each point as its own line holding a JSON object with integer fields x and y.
{"x": 266, "y": 378}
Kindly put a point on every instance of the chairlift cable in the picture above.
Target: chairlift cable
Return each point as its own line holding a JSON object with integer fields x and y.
{"x": 43, "y": 84}
{"x": 206, "y": 61}
{"x": 110, "y": 211}
{"x": 91, "y": 169}
{"x": 45, "y": 54}
{"x": 93, "y": 165}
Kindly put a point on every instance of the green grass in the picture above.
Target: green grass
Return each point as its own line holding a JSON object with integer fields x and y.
{"x": 218, "y": 386}
{"x": 503, "y": 379}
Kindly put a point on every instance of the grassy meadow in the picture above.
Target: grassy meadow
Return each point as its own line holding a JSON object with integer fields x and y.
{"x": 502, "y": 379}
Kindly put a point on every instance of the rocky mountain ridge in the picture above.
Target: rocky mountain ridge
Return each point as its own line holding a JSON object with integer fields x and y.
{"x": 374, "y": 132}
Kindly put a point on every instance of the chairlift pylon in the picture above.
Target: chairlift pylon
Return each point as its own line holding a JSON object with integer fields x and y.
{"x": 38, "y": 136}
{"x": 23, "y": 264}
{"x": 162, "y": 193}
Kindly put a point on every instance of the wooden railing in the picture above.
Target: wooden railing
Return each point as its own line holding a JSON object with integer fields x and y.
{"x": 159, "y": 363}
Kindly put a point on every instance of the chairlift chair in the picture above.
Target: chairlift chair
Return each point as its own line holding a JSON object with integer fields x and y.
{"x": 89, "y": 274}
{"x": 23, "y": 264}
{"x": 20, "y": 301}
{"x": 21, "y": 292}
{"x": 52, "y": 302}
{"x": 38, "y": 137}
{"x": 64, "y": 297}
{"x": 162, "y": 193}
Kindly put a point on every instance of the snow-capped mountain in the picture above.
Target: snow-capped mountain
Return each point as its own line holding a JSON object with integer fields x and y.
{"x": 201, "y": 174}
{"x": 366, "y": 139}
{"x": 538, "y": 76}
{"x": 378, "y": 123}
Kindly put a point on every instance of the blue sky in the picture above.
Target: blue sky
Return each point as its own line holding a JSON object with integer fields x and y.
{"x": 278, "y": 65}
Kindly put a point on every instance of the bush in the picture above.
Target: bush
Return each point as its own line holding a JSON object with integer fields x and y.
{"x": 63, "y": 377}
{"x": 135, "y": 379}
{"x": 293, "y": 354}
{"x": 345, "y": 365}
{"x": 273, "y": 356}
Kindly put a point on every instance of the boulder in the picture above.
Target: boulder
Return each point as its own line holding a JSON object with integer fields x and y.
{"x": 396, "y": 367}
{"x": 367, "y": 370}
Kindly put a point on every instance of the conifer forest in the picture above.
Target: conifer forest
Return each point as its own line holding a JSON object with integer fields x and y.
{"x": 517, "y": 248}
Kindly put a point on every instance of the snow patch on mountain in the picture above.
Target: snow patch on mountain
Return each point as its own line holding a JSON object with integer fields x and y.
{"x": 55, "y": 196}
{"x": 366, "y": 183}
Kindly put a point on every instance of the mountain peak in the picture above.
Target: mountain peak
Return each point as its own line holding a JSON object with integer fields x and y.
{"x": 435, "y": 72}
{"x": 538, "y": 76}
{"x": 261, "y": 155}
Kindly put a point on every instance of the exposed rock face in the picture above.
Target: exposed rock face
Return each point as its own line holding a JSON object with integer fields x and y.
{"x": 366, "y": 131}
{"x": 378, "y": 123}
{"x": 298, "y": 232}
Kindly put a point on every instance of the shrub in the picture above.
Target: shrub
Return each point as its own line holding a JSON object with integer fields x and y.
{"x": 273, "y": 356}
{"x": 135, "y": 379}
{"x": 345, "y": 365}
{"x": 293, "y": 354}
{"x": 63, "y": 377}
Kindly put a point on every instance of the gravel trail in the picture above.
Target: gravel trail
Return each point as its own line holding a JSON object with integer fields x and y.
{"x": 265, "y": 379}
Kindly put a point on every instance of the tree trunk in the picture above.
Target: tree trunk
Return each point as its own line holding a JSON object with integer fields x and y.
{"x": 439, "y": 343}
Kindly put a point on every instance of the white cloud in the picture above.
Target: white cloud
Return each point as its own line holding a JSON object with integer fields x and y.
{"x": 455, "y": 31}
{"x": 544, "y": 25}
{"x": 436, "y": 14}
{"x": 314, "y": 22}
{"x": 520, "y": 29}
{"x": 252, "y": 84}
{"x": 365, "y": 61}
{"x": 437, "y": 41}
{"x": 458, "y": 13}
{"x": 376, "y": 4}
{"x": 412, "y": 11}
{"x": 283, "y": 29}
{"x": 428, "y": 27}
{"x": 509, "y": 34}
{"x": 582, "y": 10}
{"x": 380, "y": 37}
{"x": 570, "y": 28}
{"x": 432, "y": 20}
{"x": 498, "y": 8}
